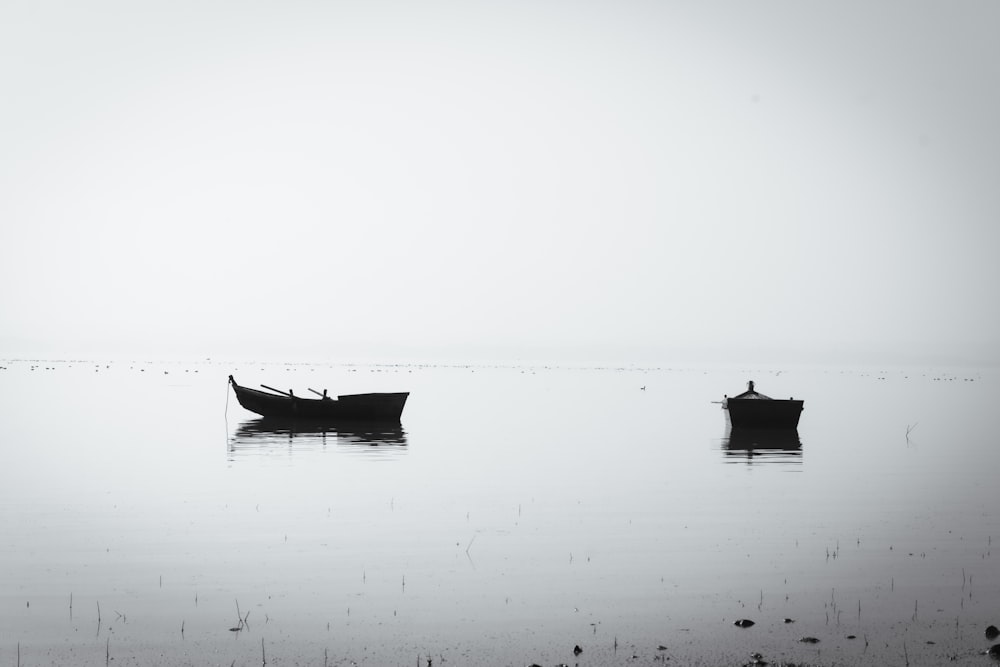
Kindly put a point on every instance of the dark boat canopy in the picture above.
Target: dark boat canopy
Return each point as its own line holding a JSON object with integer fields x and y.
{"x": 753, "y": 393}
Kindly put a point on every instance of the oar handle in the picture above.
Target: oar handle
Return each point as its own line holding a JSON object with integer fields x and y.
{"x": 278, "y": 391}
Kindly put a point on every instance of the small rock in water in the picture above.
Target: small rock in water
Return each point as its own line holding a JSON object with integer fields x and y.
{"x": 809, "y": 640}
{"x": 994, "y": 651}
{"x": 852, "y": 636}
{"x": 577, "y": 650}
{"x": 789, "y": 620}
{"x": 743, "y": 623}
{"x": 992, "y": 632}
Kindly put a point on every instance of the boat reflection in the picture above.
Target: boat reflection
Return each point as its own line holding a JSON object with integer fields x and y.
{"x": 269, "y": 435}
{"x": 763, "y": 445}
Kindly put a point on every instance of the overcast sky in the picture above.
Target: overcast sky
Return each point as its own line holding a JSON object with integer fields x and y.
{"x": 731, "y": 180}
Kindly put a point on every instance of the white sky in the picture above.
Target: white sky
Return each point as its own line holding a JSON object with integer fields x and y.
{"x": 726, "y": 179}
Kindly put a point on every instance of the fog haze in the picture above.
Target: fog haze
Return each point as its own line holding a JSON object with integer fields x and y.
{"x": 656, "y": 180}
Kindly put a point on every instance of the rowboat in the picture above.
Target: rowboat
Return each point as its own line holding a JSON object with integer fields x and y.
{"x": 370, "y": 408}
{"x": 752, "y": 409}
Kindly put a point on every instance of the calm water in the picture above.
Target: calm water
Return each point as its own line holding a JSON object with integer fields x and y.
{"x": 518, "y": 512}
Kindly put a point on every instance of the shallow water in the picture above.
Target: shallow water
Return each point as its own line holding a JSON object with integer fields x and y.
{"x": 516, "y": 513}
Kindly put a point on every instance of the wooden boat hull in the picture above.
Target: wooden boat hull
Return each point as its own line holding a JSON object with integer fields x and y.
{"x": 371, "y": 408}
{"x": 764, "y": 414}
{"x": 752, "y": 409}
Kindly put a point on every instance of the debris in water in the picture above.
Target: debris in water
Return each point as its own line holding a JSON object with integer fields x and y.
{"x": 809, "y": 640}
{"x": 789, "y": 620}
{"x": 577, "y": 650}
{"x": 743, "y": 623}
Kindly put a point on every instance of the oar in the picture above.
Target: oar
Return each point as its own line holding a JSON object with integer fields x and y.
{"x": 323, "y": 395}
{"x": 278, "y": 391}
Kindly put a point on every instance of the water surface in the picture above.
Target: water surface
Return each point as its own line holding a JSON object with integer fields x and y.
{"x": 517, "y": 512}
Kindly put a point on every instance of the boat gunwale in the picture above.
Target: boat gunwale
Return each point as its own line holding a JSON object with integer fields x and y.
{"x": 292, "y": 397}
{"x": 384, "y": 407}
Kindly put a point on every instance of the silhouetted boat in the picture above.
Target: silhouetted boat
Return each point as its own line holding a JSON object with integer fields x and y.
{"x": 371, "y": 408}
{"x": 752, "y": 409}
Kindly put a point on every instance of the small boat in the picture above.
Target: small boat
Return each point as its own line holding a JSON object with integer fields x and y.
{"x": 752, "y": 409}
{"x": 370, "y": 408}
